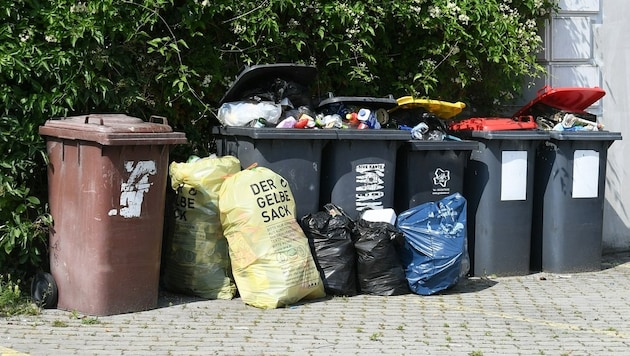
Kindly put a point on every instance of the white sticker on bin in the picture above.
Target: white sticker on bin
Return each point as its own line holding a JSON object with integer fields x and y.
{"x": 513, "y": 175}
{"x": 370, "y": 186}
{"x": 585, "y": 174}
{"x": 133, "y": 190}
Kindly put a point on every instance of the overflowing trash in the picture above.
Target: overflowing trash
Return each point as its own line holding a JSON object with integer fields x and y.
{"x": 356, "y": 244}
{"x": 277, "y": 96}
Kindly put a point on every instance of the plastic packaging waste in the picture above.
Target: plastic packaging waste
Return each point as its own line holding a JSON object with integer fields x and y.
{"x": 435, "y": 254}
{"x": 241, "y": 113}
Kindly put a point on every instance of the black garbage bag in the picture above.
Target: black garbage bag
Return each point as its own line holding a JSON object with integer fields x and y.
{"x": 277, "y": 90}
{"x": 329, "y": 234}
{"x": 435, "y": 253}
{"x": 379, "y": 268}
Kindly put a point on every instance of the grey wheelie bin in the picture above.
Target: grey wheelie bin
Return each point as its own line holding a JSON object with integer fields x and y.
{"x": 499, "y": 188}
{"x": 569, "y": 201}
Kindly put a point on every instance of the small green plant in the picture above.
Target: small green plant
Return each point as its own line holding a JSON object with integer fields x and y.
{"x": 59, "y": 323}
{"x": 12, "y": 302}
{"x": 376, "y": 336}
{"x": 400, "y": 328}
{"x": 359, "y": 330}
{"x": 475, "y": 353}
{"x": 449, "y": 339}
{"x": 90, "y": 321}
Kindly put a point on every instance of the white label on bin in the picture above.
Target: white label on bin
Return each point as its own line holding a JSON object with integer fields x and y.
{"x": 585, "y": 173}
{"x": 133, "y": 190}
{"x": 513, "y": 175}
{"x": 441, "y": 177}
{"x": 370, "y": 186}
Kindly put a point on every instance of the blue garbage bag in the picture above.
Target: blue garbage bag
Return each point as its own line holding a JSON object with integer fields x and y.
{"x": 435, "y": 253}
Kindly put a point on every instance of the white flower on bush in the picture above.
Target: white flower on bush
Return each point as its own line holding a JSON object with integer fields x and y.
{"x": 463, "y": 19}
{"x": 435, "y": 12}
{"x": 25, "y": 36}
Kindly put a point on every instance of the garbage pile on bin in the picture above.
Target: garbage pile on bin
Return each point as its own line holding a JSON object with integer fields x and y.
{"x": 277, "y": 96}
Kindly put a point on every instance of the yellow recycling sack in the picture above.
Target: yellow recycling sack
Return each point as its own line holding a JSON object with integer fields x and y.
{"x": 271, "y": 259}
{"x": 196, "y": 257}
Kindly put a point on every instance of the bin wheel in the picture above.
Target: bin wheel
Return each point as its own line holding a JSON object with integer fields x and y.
{"x": 44, "y": 290}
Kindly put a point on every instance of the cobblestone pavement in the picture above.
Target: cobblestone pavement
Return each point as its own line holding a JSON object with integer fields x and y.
{"x": 537, "y": 314}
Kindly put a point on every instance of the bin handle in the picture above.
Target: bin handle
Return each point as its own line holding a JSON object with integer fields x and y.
{"x": 155, "y": 118}
{"x": 88, "y": 117}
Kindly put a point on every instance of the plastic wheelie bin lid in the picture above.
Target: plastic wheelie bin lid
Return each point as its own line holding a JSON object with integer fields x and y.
{"x": 574, "y": 99}
{"x": 445, "y": 145}
{"x": 511, "y": 135}
{"x": 270, "y": 133}
{"x": 113, "y": 130}
{"x": 585, "y": 135}
{"x": 253, "y": 76}
{"x": 495, "y": 124}
{"x": 442, "y": 109}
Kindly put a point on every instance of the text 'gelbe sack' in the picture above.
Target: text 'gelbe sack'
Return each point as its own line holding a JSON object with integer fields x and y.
{"x": 271, "y": 259}
{"x": 196, "y": 260}
{"x": 435, "y": 254}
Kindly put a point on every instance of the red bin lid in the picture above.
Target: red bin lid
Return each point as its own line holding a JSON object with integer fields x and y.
{"x": 572, "y": 99}
{"x": 113, "y": 129}
{"x": 494, "y": 124}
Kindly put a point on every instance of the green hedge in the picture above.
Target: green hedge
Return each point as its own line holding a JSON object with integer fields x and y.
{"x": 177, "y": 58}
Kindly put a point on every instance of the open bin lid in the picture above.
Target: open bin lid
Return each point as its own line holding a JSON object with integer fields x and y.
{"x": 572, "y": 99}
{"x": 265, "y": 74}
{"x": 442, "y": 109}
{"x": 113, "y": 130}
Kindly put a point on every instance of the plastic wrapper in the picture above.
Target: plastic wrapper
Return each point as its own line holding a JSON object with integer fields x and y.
{"x": 242, "y": 113}
{"x": 435, "y": 253}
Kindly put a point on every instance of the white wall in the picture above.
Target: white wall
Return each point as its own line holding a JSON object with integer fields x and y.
{"x": 612, "y": 55}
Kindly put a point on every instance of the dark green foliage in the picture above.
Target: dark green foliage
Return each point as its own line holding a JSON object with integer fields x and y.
{"x": 176, "y": 58}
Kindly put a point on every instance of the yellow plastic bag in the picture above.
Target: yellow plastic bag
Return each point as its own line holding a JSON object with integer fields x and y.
{"x": 196, "y": 257}
{"x": 271, "y": 259}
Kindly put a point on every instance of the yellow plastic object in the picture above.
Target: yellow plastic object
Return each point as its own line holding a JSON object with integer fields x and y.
{"x": 270, "y": 254}
{"x": 443, "y": 109}
{"x": 196, "y": 259}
